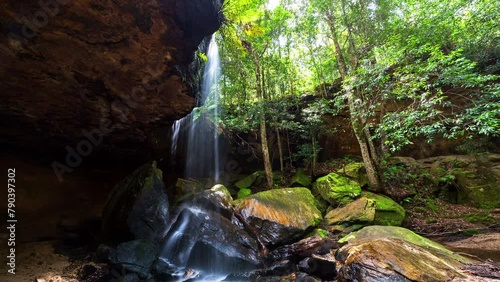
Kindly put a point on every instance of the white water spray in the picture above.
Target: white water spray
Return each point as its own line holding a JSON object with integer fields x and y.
{"x": 202, "y": 140}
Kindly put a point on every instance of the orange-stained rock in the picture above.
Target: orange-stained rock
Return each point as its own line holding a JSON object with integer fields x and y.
{"x": 280, "y": 215}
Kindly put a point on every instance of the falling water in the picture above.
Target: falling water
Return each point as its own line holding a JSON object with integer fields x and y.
{"x": 197, "y": 134}
{"x": 202, "y": 138}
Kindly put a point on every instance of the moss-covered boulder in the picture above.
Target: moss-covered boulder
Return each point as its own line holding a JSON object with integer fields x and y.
{"x": 137, "y": 207}
{"x": 248, "y": 181}
{"x": 243, "y": 193}
{"x": 388, "y": 253}
{"x": 351, "y": 217}
{"x": 387, "y": 211}
{"x": 467, "y": 179}
{"x": 337, "y": 189}
{"x": 477, "y": 189}
{"x": 357, "y": 172}
{"x": 301, "y": 179}
{"x": 280, "y": 216}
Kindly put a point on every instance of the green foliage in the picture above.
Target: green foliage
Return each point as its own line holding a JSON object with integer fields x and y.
{"x": 437, "y": 61}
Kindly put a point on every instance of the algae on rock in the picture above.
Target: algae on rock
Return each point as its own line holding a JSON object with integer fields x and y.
{"x": 387, "y": 211}
{"x": 337, "y": 190}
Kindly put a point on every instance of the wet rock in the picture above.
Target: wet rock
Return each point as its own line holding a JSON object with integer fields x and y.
{"x": 302, "y": 249}
{"x": 281, "y": 215}
{"x": 351, "y": 217}
{"x": 320, "y": 266}
{"x": 357, "y": 172}
{"x": 130, "y": 277}
{"x": 387, "y": 211}
{"x": 137, "y": 207}
{"x": 337, "y": 190}
{"x": 297, "y": 276}
{"x": 241, "y": 277}
{"x": 200, "y": 233}
{"x": 301, "y": 179}
{"x": 136, "y": 256}
{"x": 217, "y": 199}
{"x": 164, "y": 271}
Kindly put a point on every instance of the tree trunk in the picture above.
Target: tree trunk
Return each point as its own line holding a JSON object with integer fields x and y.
{"x": 262, "y": 117}
{"x": 315, "y": 155}
{"x": 280, "y": 150}
{"x": 355, "y": 122}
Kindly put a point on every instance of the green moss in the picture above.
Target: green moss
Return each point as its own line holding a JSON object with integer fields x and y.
{"x": 356, "y": 171}
{"x": 337, "y": 189}
{"x": 243, "y": 193}
{"x": 377, "y": 232}
{"x": 292, "y": 201}
{"x": 478, "y": 189}
{"x": 301, "y": 178}
{"x": 387, "y": 211}
{"x": 248, "y": 181}
{"x": 319, "y": 232}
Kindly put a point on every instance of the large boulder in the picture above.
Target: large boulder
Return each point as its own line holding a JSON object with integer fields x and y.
{"x": 357, "y": 172}
{"x": 198, "y": 233}
{"x": 468, "y": 179}
{"x": 337, "y": 189}
{"x": 387, "y": 211}
{"x": 280, "y": 215}
{"x": 352, "y": 216}
{"x": 137, "y": 207}
{"x": 384, "y": 253}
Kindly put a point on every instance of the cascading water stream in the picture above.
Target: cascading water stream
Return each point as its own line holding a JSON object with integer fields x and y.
{"x": 197, "y": 134}
{"x": 201, "y": 139}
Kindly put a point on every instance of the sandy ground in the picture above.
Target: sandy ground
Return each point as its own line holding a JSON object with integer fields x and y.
{"x": 37, "y": 262}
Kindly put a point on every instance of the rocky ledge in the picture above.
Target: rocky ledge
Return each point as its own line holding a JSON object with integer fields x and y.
{"x": 72, "y": 68}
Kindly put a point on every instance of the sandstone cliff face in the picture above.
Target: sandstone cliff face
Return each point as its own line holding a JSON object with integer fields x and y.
{"x": 121, "y": 65}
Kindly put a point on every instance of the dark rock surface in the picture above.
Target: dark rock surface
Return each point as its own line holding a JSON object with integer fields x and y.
{"x": 136, "y": 256}
{"x": 69, "y": 66}
{"x": 137, "y": 208}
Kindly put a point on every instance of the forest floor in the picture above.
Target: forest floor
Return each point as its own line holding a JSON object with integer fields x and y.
{"x": 463, "y": 229}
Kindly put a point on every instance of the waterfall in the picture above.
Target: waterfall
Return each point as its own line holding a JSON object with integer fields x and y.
{"x": 197, "y": 136}
{"x": 201, "y": 139}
